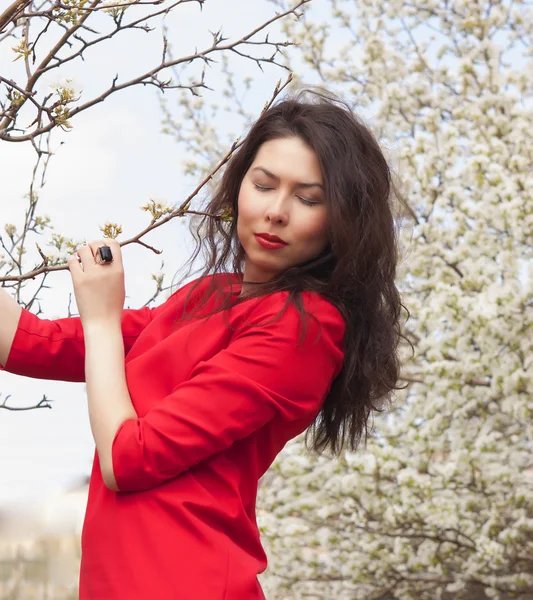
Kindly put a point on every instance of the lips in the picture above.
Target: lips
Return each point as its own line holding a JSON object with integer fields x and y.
{"x": 271, "y": 238}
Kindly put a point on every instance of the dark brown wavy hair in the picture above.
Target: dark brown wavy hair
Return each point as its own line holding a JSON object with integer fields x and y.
{"x": 356, "y": 271}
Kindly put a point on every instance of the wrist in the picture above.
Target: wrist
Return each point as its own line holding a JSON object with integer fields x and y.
{"x": 102, "y": 326}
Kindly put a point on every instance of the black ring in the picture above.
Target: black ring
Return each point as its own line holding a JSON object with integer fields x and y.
{"x": 104, "y": 252}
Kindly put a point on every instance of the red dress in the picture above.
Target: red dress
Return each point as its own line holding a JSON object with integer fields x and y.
{"x": 214, "y": 408}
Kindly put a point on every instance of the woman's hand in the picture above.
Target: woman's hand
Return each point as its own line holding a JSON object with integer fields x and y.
{"x": 99, "y": 288}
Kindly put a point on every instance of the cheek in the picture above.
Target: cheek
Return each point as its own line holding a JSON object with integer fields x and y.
{"x": 244, "y": 217}
{"x": 315, "y": 229}
{"x": 244, "y": 202}
{"x": 239, "y": 200}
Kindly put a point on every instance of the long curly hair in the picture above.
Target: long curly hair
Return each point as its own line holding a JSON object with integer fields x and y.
{"x": 355, "y": 272}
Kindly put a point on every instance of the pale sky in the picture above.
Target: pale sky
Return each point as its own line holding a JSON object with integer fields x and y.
{"x": 114, "y": 160}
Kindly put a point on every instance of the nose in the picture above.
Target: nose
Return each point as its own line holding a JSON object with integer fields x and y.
{"x": 277, "y": 210}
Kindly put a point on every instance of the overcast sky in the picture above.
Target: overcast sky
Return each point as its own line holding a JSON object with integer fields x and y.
{"x": 114, "y": 160}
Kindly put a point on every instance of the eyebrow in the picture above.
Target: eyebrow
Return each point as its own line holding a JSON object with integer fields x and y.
{"x": 300, "y": 184}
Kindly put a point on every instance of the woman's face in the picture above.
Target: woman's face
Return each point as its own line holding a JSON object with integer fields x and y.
{"x": 273, "y": 198}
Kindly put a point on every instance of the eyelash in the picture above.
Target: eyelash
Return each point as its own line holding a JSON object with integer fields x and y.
{"x": 265, "y": 189}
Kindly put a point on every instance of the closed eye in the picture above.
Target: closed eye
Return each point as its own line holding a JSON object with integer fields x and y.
{"x": 265, "y": 189}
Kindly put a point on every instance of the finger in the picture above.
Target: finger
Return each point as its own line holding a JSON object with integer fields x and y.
{"x": 74, "y": 265}
{"x": 86, "y": 256}
{"x": 113, "y": 244}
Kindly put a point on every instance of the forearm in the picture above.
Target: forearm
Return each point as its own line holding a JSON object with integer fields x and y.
{"x": 10, "y": 311}
{"x": 108, "y": 397}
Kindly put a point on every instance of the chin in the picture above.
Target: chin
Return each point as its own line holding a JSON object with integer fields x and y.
{"x": 268, "y": 267}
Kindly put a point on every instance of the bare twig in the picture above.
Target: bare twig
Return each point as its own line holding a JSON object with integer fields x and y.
{"x": 43, "y": 403}
{"x": 8, "y": 116}
{"x": 12, "y": 13}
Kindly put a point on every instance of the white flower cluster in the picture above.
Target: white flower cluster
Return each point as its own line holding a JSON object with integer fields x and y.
{"x": 112, "y": 6}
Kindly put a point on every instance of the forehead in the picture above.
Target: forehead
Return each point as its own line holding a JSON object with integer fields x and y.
{"x": 289, "y": 158}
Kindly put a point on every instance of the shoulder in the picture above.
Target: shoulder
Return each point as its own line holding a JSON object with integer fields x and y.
{"x": 312, "y": 303}
{"x": 198, "y": 285}
{"x": 319, "y": 317}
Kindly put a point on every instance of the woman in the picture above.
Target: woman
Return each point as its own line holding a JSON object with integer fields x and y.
{"x": 191, "y": 401}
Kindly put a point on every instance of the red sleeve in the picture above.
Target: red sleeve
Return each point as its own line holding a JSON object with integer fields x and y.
{"x": 55, "y": 349}
{"x": 260, "y": 375}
